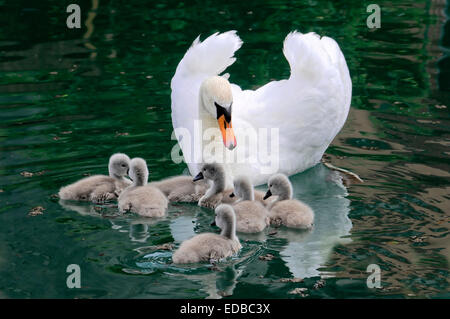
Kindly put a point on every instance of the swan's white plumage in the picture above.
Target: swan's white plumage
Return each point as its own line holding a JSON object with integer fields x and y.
{"x": 309, "y": 108}
{"x": 202, "y": 60}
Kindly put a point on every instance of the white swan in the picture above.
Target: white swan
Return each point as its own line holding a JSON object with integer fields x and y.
{"x": 308, "y": 109}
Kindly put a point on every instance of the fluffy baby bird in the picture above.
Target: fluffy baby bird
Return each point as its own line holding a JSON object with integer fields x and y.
{"x": 216, "y": 193}
{"x": 285, "y": 210}
{"x": 182, "y": 189}
{"x": 100, "y": 188}
{"x": 251, "y": 215}
{"x": 141, "y": 198}
{"x": 209, "y": 246}
{"x": 259, "y": 197}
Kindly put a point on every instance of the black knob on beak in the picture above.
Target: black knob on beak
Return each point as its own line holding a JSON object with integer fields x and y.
{"x": 213, "y": 223}
{"x": 199, "y": 176}
{"x": 268, "y": 194}
{"x": 232, "y": 195}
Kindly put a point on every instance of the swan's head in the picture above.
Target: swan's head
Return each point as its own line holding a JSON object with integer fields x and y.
{"x": 217, "y": 100}
{"x": 138, "y": 171}
{"x": 243, "y": 188}
{"x": 279, "y": 185}
{"x": 225, "y": 217}
{"x": 211, "y": 171}
{"x": 118, "y": 166}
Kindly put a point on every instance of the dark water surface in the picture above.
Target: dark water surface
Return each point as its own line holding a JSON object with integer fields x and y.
{"x": 71, "y": 98}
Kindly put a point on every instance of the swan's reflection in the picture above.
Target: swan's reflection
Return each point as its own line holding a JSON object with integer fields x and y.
{"x": 137, "y": 227}
{"x": 303, "y": 252}
{"x": 307, "y": 251}
{"x": 182, "y": 227}
{"x": 84, "y": 209}
{"x": 215, "y": 283}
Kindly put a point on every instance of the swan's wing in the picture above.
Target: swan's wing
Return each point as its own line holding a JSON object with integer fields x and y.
{"x": 202, "y": 60}
{"x": 309, "y": 108}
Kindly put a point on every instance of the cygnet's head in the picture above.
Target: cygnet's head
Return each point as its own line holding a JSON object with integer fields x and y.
{"x": 211, "y": 171}
{"x": 243, "y": 188}
{"x": 138, "y": 171}
{"x": 118, "y": 166}
{"x": 225, "y": 219}
{"x": 279, "y": 185}
{"x": 217, "y": 100}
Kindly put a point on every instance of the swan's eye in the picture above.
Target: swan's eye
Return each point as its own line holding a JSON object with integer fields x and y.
{"x": 123, "y": 165}
{"x": 223, "y": 111}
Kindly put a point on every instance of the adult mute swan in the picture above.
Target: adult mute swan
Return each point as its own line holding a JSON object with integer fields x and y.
{"x": 284, "y": 126}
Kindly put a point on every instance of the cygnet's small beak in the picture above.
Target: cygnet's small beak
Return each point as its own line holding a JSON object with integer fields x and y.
{"x": 268, "y": 194}
{"x": 232, "y": 195}
{"x": 213, "y": 223}
{"x": 198, "y": 177}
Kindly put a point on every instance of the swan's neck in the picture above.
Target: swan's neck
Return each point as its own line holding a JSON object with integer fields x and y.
{"x": 207, "y": 122}
{"x": 211, "y": 138}
{"x": 229, "y": 230}
{"x": 287, "y": 194}
{"x": 140, "y": 180}
{"x": 248, "y": 194}
{"x": 218, "y": 186}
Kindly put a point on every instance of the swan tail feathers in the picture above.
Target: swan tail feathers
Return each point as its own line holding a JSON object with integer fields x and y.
{"x": 309, "y": 55}
{"x": 212, "y": 55}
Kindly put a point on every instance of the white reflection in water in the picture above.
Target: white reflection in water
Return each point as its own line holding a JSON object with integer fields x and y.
{"x": 307, "y": 251}
{"x": 182, "y": 228}
{"x": 304, "y": 252}
{"x": 215, "y": 283}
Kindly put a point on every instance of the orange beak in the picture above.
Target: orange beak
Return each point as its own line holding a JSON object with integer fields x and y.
{"x": 229, "y": 140}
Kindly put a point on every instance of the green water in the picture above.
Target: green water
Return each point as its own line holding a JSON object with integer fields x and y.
{"x": 71, "y": 98}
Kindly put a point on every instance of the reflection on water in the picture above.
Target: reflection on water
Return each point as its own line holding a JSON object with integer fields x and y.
{"x": 304, "y": 252}
{"x": 136, "y": 227}
{"x": 69, "y": 99}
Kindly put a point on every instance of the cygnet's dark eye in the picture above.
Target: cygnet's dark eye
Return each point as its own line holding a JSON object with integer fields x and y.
{"x": 124, "y": 165}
